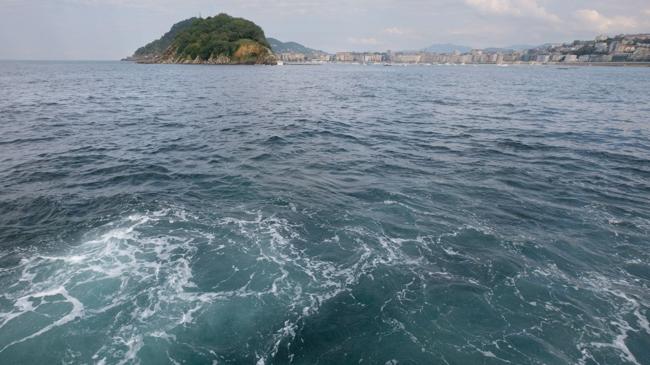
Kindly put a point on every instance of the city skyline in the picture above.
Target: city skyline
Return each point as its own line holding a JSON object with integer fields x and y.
{"x": 112, "y": 29}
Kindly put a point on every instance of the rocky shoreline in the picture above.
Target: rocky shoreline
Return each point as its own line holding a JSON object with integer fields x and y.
{"x": 220, "y": 60}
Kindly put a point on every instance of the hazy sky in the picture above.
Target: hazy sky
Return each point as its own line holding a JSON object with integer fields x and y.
{"x": 112, "y": 29}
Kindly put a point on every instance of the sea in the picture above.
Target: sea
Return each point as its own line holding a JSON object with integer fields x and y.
{"x": 333, "y": 214}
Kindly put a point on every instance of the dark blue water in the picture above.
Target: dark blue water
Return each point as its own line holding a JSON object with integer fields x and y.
{"x": 160, "y": 214}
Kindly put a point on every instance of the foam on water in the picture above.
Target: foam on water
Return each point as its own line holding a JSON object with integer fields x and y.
{"x": 127, "y": 270}
{"x": 111, "y": 272}
{"x": 25, "y": 304}
{"x": 138, "y": 274}
{"x": 321, "y": 280}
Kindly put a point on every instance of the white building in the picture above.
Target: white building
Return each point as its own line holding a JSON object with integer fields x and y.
{"x": 570, "y": 58}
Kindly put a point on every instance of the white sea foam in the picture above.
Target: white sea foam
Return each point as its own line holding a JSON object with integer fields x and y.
{"x": 145, "y": 262}
{"x": 616, "y": 293}
{"x": 122, "y": 253}
{"x": 24, "y": 305}
{"x": 273, "y": 238}
{"x": 147, "y": 256}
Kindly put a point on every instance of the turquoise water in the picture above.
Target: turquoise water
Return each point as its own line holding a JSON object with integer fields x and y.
{"x": 162, "y": 214}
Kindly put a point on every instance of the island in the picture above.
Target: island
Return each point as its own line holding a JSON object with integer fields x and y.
{"x": 217, "y": 40}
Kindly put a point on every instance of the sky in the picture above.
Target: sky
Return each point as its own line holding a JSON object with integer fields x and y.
{"x": 113, "y": 29}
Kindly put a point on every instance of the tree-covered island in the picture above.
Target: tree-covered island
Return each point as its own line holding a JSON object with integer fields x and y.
{"x": 221, "y": 40}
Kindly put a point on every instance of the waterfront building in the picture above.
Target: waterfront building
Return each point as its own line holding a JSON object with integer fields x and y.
{"x": 344, "y": 57}
{"x": 570, "y": 58}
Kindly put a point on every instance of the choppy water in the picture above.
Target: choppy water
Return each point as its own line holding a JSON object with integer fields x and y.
{"x": 331, "y": 215}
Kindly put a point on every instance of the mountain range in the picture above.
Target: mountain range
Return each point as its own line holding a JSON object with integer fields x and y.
{"x": 450, "y": 48}
{"x": 447, "y": 48}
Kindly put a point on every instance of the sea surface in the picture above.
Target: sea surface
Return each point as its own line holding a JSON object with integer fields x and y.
{"x": 168, "y": 214}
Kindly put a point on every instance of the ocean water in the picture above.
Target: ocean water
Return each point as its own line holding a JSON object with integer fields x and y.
{"x": 164, "y": 214}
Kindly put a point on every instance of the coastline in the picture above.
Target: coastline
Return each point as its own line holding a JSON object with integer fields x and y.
{"x": 563, "y": 64}
{"x": 215, "y": 62}
{"x": 586, "y": 64}
{"x": 274, "y": 63}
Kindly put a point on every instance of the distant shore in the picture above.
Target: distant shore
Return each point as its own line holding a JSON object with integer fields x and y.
{"x": 564, "y": 64}
{"x": 567, "y": 64}
{"x": 610, "y": 64}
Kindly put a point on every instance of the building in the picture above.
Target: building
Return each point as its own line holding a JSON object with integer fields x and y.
{"x": 621, "y": 48}
{"x": 407, "y": 58}
{"x": 293, "y": 57}
{"x": 570, "y": 58}
{"x": 602, "y": 47}
{"x": 344, "y": 57}
{"x": 373, "y": 58}
{"x": 557, "y": 58}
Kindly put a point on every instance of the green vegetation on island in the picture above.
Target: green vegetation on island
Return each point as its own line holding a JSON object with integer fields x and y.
{"x": 221, "y": 39}
{"x": 159, "y": 46}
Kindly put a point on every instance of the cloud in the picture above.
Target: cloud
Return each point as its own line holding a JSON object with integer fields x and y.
{"x": 395, "y": 31}
{"x": 370, "y": 41}
{"x": 491, "y": 6}
{"x": 402, "y": 33}
{"x": 516, "y": 8}
{"x": 592, "y": 18}
{"x": 120, "y": 3}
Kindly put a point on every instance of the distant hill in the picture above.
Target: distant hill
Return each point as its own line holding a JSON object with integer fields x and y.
{"x": 499, "y": 50}
{"x": 221, "y": 39}
{"x": 514, "y": 47}
{"x": 447, "y": 48}
{"x": 291, "y": 47}
{"x": 521, "y": 47}
{"x": 450, "y": 48}
{"x": 508, "y": 49}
